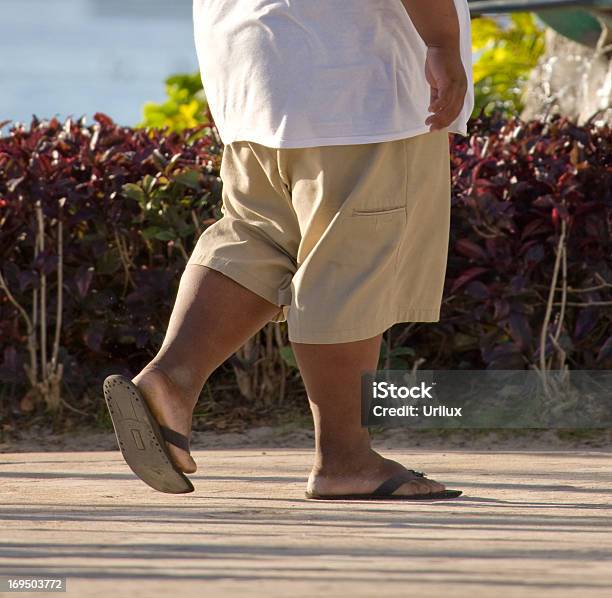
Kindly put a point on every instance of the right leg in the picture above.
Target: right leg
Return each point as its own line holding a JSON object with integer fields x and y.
{"x": 213, "y": 316}
{"x": 344, "y": 461}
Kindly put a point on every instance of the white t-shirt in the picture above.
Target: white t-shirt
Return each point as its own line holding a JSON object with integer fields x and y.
{"x": 302, "y": 73}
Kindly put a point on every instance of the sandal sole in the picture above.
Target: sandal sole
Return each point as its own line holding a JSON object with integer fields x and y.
{"x": 445, "y": 494}
{"x": 140, "y": 439}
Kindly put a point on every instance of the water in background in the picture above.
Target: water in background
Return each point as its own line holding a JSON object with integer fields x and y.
{"x": 75, "y": 57}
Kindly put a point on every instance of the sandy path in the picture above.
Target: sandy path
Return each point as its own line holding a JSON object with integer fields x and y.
{"x": 529, "y": 523}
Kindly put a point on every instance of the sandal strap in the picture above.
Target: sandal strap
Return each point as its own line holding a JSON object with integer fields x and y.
{"x": 175, "y": 438}
{"x": 389, "y": 486}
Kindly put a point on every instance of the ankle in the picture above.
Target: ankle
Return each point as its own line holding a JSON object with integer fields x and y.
{"x": 340, "y": 462}
{"x": 172, "y": 386}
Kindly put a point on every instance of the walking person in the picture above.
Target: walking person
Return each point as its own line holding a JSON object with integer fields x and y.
{"x": 335, "y": 117}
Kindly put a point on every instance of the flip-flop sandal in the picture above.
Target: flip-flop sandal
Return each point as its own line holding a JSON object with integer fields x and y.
{"x": 142, "y": 440}
{"x": 387, "y": 488}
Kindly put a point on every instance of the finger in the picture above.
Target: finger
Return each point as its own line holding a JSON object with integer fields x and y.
{"x": 450, "y": 111}
{"x": 458, "y": 99}
{"x": 439, "y": 122}
{"x": 443, "y": 97}
{"x": 438, "y": 100}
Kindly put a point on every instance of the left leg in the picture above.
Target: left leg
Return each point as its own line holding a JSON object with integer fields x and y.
{"x": 372, "y": 253}
{"x": 213, "y": 316}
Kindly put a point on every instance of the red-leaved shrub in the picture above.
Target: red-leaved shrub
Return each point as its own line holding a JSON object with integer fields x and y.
{"x": 133, "y": 202}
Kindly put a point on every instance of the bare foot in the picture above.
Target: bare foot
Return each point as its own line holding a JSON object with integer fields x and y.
{"x": 169, "y": 408}
{"x": 363, "y": 476}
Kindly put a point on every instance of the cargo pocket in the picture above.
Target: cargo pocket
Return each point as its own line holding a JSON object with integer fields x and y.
{"x": 371, "y": 239}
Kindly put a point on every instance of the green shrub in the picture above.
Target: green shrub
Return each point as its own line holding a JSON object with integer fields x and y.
{"x": 185, "y": 107}
{"x": 507, "y": 55}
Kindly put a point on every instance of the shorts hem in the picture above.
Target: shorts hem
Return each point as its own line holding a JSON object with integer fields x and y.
{"x": 347, "y": 335}
{"x": 243, "y": 278}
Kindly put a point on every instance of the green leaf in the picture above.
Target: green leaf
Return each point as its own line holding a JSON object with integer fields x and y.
{"x": 505, "y": 57}
{"x": 189, "y": 178}
{"x": 155, "y": 232}
{"x": 148, "y": 182}
{"x": 165, "y": 235}
{"x": 185, "y": 106}
{"x": 133, "y": 191}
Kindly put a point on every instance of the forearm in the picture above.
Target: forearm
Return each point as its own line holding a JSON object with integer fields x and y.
{"x": 436, "y": 21}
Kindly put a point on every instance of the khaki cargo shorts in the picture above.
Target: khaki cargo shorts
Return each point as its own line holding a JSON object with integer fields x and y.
{"x": 346, "y": 239}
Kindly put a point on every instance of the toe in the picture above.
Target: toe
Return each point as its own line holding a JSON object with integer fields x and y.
{"x": 435, "y": 486}
{"x": 410, "y": 489}
{"x": 191, "y": 465}
{"x": 183, "y": 460}
{"x": 422, "y": 486}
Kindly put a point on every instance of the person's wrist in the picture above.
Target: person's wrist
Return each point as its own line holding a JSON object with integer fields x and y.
{"x": 445, "y": 46}
{"x": 447, "y": 42}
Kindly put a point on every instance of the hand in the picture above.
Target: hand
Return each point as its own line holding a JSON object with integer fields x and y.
{"x": 448, "y": 84}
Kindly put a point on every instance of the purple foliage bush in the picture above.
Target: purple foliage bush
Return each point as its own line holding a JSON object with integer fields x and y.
{"x": 133, "y": 203}
{"x": 514, "y": 184}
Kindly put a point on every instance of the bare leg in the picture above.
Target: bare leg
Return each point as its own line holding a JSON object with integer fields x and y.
{"x": 344, "y": 461}
{"x": 213, "y": 316}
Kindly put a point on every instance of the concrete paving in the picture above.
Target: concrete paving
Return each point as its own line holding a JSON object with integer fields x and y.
{"x": 530, "y": 524}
